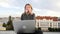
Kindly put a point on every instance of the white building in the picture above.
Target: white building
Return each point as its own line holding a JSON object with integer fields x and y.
{"x": 44, "y": 22}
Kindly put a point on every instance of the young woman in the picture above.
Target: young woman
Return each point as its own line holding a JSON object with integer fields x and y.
{"x": 28, "y": 15}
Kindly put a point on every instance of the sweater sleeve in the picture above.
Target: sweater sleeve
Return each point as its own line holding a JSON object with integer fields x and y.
{"x": 33, "y": 16}
{"x": 22, "y": 17}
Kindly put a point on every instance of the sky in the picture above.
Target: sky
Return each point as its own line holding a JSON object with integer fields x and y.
{"x": 40, "y": 7}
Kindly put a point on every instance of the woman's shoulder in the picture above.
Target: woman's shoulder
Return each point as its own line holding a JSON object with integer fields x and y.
{"x": 23, "y": 13}
{"x": 33, "y": 13}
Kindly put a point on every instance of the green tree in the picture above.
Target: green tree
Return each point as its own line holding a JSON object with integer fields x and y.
{"x": 9, "y": 24}
{"x": 4, "y": 25}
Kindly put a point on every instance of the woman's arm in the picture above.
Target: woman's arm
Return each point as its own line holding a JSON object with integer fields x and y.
{"x": 33, "y": 16}
{"x": 22, "y": 17}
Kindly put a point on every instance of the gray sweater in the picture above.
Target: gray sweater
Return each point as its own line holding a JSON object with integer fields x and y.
{"x": 24, "y": 16}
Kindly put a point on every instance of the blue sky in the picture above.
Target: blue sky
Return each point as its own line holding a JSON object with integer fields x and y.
{"x": 40, "y": 7}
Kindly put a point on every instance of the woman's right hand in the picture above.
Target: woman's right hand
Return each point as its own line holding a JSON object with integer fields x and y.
{"x": 26, "y": 11}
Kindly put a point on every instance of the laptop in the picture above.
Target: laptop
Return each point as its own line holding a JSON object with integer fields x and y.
{"x": 24, "y": 26}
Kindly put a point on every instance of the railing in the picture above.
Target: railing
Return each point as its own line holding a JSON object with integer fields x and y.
{"x": 47, "y": 24}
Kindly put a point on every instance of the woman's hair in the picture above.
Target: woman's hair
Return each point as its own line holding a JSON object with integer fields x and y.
{"x": 29, "y": 5}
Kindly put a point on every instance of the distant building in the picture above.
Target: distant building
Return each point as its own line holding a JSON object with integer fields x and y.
{"x": 44, "y": 22}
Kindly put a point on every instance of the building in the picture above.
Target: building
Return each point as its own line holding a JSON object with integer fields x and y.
{"x": 44, "y": 22}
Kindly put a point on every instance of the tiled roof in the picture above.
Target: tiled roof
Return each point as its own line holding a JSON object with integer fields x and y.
{"x": 47, "y": 18}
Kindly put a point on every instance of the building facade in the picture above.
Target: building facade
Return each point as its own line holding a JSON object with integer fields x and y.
{"x": 44, "y": 22}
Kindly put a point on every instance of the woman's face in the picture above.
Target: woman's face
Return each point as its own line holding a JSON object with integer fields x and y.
{"x": 28, "y": 9}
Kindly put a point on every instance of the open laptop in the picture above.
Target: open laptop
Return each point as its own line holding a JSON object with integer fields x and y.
{"x": 24, "y": 26}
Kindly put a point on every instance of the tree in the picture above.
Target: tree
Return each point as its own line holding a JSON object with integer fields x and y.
{"x": 4, "y": 25}
{"x": 9, "y": 24}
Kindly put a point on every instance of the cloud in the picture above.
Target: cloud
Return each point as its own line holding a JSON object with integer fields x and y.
{"x": 15, "y": 14}
{"x": 46, "y": 12}
{"x": 52, "y": 5}
{"x": 58, "y": 4}
{"x": 36, "y": 1}
{"x": 36, "y": 9}
{"x": 40, "y": 7}
{"x": 47, "y": 4}
{"x": 8, "y": 4}
{"x": 4, "y": 3}
{"x": 53, "y": 13}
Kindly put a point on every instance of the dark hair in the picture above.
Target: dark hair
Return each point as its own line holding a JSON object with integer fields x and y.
{"x": 29, "y": 5}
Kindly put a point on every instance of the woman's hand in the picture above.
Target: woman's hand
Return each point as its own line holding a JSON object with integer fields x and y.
{"x": 26, "y": 11}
